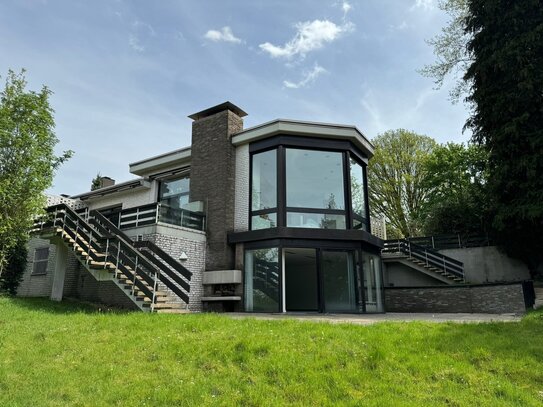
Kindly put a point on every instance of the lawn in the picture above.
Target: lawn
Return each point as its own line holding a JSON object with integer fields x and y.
{"x": 55, "y": 354}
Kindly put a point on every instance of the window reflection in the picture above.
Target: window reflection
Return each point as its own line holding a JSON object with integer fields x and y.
{"x": 174, "y": 193}
{"x": 315, "y": 220}
{"x": 262, "y": 280}
{"x": 314, "y": 179}
{"x": 264, "y": 189}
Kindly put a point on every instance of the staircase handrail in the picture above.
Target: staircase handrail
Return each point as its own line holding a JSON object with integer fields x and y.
{"x": 429, "y": 256}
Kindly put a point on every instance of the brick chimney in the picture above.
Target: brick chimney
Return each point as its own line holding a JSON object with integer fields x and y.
{"x": 212, "y": 177}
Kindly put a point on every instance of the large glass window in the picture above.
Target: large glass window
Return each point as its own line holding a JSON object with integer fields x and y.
{"x": 314, "y": 179}
{"x": 262, "y": 280}
{"x": 264, "y": 190}
{"x": 358, "y": 196}
{"x": 174, "y": 193}
{"x": 371, "y": 266}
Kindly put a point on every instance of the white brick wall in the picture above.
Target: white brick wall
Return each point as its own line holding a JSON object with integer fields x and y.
{"x": 195, "y": 250}
{"x": 128, "y": 199}
{"x": 37, "y": 285}
{"x": 241, "y": 219}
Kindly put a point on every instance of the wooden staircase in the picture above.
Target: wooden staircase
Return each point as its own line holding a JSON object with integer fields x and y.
{"x": 152, "y": 279}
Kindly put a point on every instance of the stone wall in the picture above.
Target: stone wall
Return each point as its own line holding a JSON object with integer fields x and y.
{"x": 492, "y": 299}
{"x": 212, "y": 181}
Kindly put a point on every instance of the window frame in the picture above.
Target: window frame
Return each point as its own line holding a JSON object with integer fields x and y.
{"x": 280, "y": 143}
{"x": 36, "y": 262}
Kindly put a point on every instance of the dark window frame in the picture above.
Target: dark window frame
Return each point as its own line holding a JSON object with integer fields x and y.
{"x": 280, "y": 143}
{"x": 40, "y": 262}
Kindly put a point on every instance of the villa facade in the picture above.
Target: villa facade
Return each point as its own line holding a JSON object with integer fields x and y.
{"x": 273, "y": 218}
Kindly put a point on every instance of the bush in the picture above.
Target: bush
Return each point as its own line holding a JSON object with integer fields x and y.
{"x": 14, "y": 269}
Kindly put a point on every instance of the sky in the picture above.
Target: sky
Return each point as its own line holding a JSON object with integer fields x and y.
{"x": 126, "y": 74}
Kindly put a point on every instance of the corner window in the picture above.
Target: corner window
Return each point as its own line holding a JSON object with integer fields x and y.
{"x": 41, "y": 257}
{"x": 315, "y": 192}
{"x": 358, "y": 195}
{"x": 264, "y": 190}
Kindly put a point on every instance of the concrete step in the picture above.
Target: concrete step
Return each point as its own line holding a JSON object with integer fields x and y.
{"x": 172, "y": 311}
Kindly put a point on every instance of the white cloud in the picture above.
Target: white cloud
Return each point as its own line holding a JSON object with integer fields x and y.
{"x": 309, "y": 77}
{"x": 424, "y": 4}
{"x": 135, "y": 44}
{"x": 310, "y": 35}
{"x": 399, "y": 27}
{"x": 225, "y": 34}
{"x": 346, "y": 7}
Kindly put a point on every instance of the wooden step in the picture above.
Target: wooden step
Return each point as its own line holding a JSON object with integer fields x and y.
{"x": 169, "y": 306}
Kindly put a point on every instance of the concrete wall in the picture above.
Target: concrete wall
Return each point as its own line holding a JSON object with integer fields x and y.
{"x": 488, "y": 265}
{"x": 396, "y": 274}
{"x": 493, "y": 299}
{"x": 213, "y": 181}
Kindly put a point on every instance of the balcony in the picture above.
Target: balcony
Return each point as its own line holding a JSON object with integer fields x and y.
{"x": 156, "y": 213}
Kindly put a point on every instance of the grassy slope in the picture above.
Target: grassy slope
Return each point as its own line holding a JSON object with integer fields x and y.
{"x": 64, "y": 354}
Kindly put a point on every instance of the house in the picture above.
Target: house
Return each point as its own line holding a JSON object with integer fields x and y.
{"x": 272, "y": 218}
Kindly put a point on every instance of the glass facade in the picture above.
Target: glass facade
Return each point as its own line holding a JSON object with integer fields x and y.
{"x": 339, "y": 283}
{"x": 314, "y": 179}
{"x": 305, "y": 188}
{"x": 262, "y": 280}
{"x": 358, "y": 195}
{"x": 174, "y": 193}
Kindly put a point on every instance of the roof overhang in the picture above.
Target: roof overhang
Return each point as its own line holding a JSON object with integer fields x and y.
{"x": 171, "y": 159}
{"x": 113, "y": 189}
{"x": 305, "y": 129}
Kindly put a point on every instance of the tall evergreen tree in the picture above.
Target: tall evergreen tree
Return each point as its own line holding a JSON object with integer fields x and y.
{"x": 507, "y": 96}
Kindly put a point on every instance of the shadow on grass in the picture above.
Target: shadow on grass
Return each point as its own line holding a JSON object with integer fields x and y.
{"x": 66, "y": 306}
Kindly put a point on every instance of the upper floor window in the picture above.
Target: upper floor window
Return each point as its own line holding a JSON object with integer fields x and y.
{"x": 174, "y": 193}
{"x": 264, "y": 190}
{"x": 358, "y": 195}
{"x": 297, "y": 186}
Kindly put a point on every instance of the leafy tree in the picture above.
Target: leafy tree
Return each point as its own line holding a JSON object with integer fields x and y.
{"x": 507, "y": 95}
{"x": 14, "y": 269}
{"x": 457, "y": 177}
{"x": 450, "y": 48}
{"x": 96, "y": 182}
{"x": 27, "y": 158}
{"x": 397, "y": 180}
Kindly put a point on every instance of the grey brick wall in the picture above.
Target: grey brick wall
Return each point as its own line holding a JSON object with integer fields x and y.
{"x": 493, "y": 299}
{"x": 37, "y": 285}
{"x": 102, "y": 292}
{"x": 212, "y": 180}
{"x": 196, "y": 253}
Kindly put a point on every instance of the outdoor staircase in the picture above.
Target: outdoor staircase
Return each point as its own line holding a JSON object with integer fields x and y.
{"x": 153, "y": 280}
{"x": 425, "y": 260}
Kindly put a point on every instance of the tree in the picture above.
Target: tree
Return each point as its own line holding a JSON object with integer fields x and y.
{"x": 27, "y": 158}
{"x": 507, "y": 77}
{"x": 396, "y": 180}
{"x": 457, "y": 177}
{"x": 96, "y": 182}
{"x": 14, "y": 269}
{"x": 450, "y": 48}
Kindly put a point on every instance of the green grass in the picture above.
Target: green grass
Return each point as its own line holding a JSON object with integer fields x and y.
{"x": 72, "y": 354}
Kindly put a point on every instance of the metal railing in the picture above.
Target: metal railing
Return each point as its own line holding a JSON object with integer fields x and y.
{"x": 429, "y": 257}
{"x": 441, "y": 242}
{"x": 101, "y": 245}
{"x": 156, "y": 212}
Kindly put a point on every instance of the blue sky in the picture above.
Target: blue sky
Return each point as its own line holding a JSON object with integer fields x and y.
{"x": 125, "y": 74}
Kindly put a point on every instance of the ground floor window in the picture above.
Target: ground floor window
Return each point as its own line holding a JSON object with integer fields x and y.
{"x": 302, "y": 279}
{"x": 41, "y": 257}
{"x": 262, "y": 280}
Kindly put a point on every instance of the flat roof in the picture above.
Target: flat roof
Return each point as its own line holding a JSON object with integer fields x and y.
{"x": 158, "y": 162}
{"x": 123, "y": 186}
{"x": 216, "y": 109}
{"x": 304, "y": 128}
